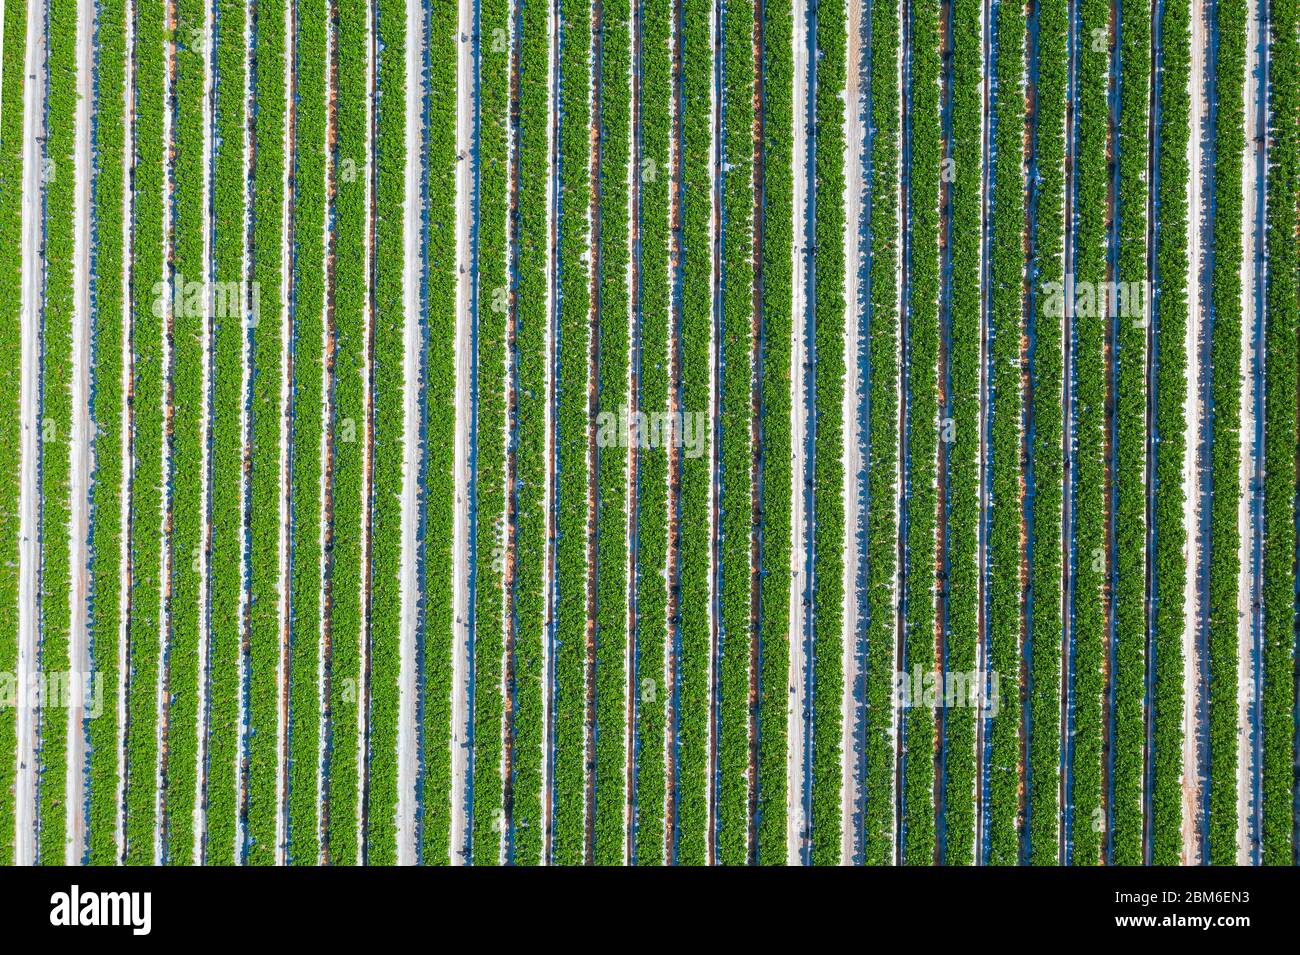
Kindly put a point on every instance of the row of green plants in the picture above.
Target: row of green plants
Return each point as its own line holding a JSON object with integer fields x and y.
{"x": 348, "y": 628}
{"x": 185, "y": 222}
{"x": 1046, "y": 383}
{"x": 614, "y": 329}
{"x": 962, "y": 477}
{"x": 694, "y": 324}
{"x": 775, "y": 232}
{"x": 917, "y": 812}
{"x": 1127, "y": 337}
{"x": 267, "y": 359}
{"x": 306, "y": 706}
{"x": 55, "y": 420}
{"x": 226, "y": 623}
{"x": 387, "y": 390}
{"x": 146, "y": 498}
{"x": 1004, "y": 604}
{"x": 1226, "y": 348}
{"x": 1170, "y": 327}
{"x": 737, "y": 366}
{"x": 884, "y": 119}
{"x": 1088, "y": 343}
{"x": 438, "y": 375}
{"x": 11, "y": 178}
{"x": 495, "y": 309}
{"x": 1280, "y": 310}
{"x": 525, "y": 812}
{"x": 573, "y": 482}
{"x": 107, "y": 499}
{"x": 828, "y": 308}
{"x": 652, "y": 314}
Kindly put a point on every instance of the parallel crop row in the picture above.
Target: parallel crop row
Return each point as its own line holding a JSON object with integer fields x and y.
{"x": 1225, "y": 394}
{"x": 828, "y": 464}
{"x": 438, "y": 430}
{"x": 348, "y": 628}
{"x": 1127, "y": 337}
{"x": 614, "y": 331}
{"x": 1087, "y": 336}
{"x": 694, "y": 330}
{"x": 573, "y": 482}
{"x": 917, "y": 811}
{"x": 265, "y": 313}
{"x": 774, "y": 359}
{"x": 188, "y": 269}
{"x": 494, "y": 288}
{"x": 1169, "y": 316}
{"x": 1281, "y": 309}
{"x": 652, "y": 495}
{"x": 11, "y": 177}
{"x": 525, "y": 812}
{"x": 56, "y": 411}
{"x": 1006, "y": 325}
{"x": 883, "y": 439}
{"x": 306, "y": 707}
{"x": 389, "y": 452}
{"x": 146, "y": 498}
{"x": 106, "y": 414}
{"x": 226, "y": 627}
{"x": 737, "y": 370}
{"x": 1044, "y": 453}
{"x": 963, "y": 450}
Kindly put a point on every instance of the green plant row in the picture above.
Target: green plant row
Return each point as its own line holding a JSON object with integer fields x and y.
{"x": 146, "y": 498}
{"x": 1169, "y": 314}
{"x": 917, "y": 812}
{"x": 774, "y": 369}
{"x": 694, "y": 357}
{"x": 529, "y": 618}
{"x": 226, "y": 626}
{"x": 348, "y": 628}
{"x": 573, "y": 482}
{"x": 186, "y": 222}
{"x": 1127, "y": 334}
{"x": 883, "y": 438}
{"x": 439, "y": 409}
{"x": 963, "y": 449}
{"x": 306, "y": 707}
{"x": 1046, "y": 383}
{"x": 107, "y": 498}
{"x": 11, "y": 178}
{"x": 614, "y": 330}
{"x": 1226, "y": 349}
{"x": 652, "y": 494}
{"x": 388, "y": 385}
{"x": 1088, "y": 363}
{"x": 738, "y": 341}
{"x": 58, "y": 182}
{"x": 1280, "y": 309}
{"x": 267, "y": 360}
{"x": 1006, "y": 325}
{"x": 495, "y": 307}
{"x": 828, "y": 455}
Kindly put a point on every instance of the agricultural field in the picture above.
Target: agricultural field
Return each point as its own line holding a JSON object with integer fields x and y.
{"x": 649, "y": 432}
